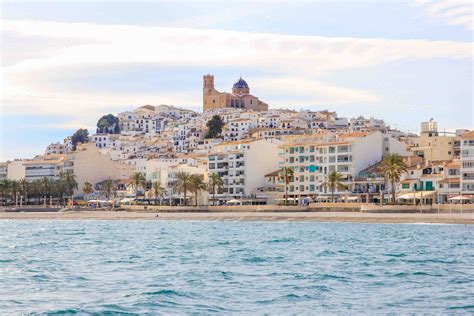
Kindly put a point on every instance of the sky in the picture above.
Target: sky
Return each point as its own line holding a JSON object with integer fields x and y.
{"x": 66, "y": 63}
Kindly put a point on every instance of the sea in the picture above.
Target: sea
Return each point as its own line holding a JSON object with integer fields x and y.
{"x": 137, "y": 267}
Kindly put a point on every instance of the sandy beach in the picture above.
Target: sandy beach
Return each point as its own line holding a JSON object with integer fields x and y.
{"x": 246, "y": 216}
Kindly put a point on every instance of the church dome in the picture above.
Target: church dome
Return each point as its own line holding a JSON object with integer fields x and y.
{"x": 240, "y": 84}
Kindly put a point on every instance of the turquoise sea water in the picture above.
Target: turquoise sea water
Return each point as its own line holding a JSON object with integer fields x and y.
{"x": 174, "y": 267}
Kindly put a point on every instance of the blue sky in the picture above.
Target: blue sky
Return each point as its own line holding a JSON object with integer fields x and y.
{"x": 65, "y": 63}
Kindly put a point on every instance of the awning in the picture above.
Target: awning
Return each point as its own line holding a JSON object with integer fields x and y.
{"x": 350, "y": 198}
{"x": 233, "y": 201}
{"x": 459, "y": 198}
{"x": 416, "y": 195}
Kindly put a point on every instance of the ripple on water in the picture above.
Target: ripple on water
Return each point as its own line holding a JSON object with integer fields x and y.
{"x": 141, "y": 267}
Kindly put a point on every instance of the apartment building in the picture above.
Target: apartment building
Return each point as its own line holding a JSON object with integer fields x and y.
{"x": 313, "y": 159}
{"x": 47, "y": 166}
{"x": 467, "y": 163}
{"x": 243, "y": 165}
{"x": 3, "y": 170}
{"x": 450, "y": 185}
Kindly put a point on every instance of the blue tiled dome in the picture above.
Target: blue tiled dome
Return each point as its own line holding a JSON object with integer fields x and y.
{"x": 241, "y": 84}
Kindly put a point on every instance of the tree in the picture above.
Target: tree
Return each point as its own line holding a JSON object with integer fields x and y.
{"x": 286, "y": 175}
{"x": 334, "y": 182}
{"x": 46, "y": 188}
{"x": 183, "y": 183}
{"x": 393, "y": 167}
{"x": 5, "y": 186}
{"x": 157, "y": 190}
{"x": 108, "y": 188}
{"x": 24, "y": 186}
{"x": 215, "y": 125}
{"x": 108, "y": 124}
{"x": 137, "y": 181}
{"x": 197, "y": 185}
{"x": 69, "y": 183}
{"x": 80, "y": 136}
{"x": 215, "y": 182}
{"x": 15, "y": 189}
{"x": 35, "y": 188}
{"x": 87, "y": 188}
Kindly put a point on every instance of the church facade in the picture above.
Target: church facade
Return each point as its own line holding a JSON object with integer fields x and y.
{"x": 239, "y": 98}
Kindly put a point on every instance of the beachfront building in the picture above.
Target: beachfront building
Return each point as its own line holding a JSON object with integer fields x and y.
{"x": 243, "y": 166}
{"x": 467, "y": 164}
{"x": 427, "y": 182}
{"x": 3, "y": 170}
{"x": 47, "y": 166}
{"x": 239, "y": 98}
{"x": 12, "y": 170}
{"x": 450, "y": 185}
{"x": 90, "y": 165}
{"x": 167, "y": 177}
{"x": 312, "y": 159}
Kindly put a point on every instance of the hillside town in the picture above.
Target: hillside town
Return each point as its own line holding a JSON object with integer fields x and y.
{"x": 241, "y": 151}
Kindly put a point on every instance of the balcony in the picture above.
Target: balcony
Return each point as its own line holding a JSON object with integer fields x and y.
{"x": 344, "y": 159}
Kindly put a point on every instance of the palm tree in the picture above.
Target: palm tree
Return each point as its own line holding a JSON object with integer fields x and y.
{"x": 87, "y": 188}
{"x": 157, "y": 190}
{"x": 108, "y": 188}
{"x": 215, "y": 182}
{"x": 137, "y": 181}
{"x": 393, "y": 167}
{"x": 197, "y": 185}
{"x": 24, "y": 185}
{"x": 183, "y": 183}
{"x": 68, "y": 180}
{"x": 15, "y": 189}
{"x": 5, "y": 188}
{"x": 45, "y": 188}
{"x": 35, "y": 188}
{"x": 333, "y": 182}
{"x": 286, "y": 175}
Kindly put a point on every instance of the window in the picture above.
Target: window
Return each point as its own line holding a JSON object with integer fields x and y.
{"x": 405, "y": 186}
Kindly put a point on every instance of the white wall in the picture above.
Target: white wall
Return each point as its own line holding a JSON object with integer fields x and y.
{"x": 91, "y": 166}
{"x": 366, "y": 151}
{"x": 395, "y": 147}
{"x": 261, "y": 158}
{"x": 16, "y": 170}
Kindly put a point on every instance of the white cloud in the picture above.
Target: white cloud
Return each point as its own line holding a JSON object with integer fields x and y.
{"x": 316, "y": 92}
{"x": 451, "y": 12}
{"x": 298, "y": 60}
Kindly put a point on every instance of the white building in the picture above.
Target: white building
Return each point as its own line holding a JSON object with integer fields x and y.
{"x": 243, "y": 165}
{"x": 48, "y": 166}
{"x": 313, "y": 159}
{"x": 467, "y": 163}
{"x": 55, "y": 149}
{"x": 3, "y": 170}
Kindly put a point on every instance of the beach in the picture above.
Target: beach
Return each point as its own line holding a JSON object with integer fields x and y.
{"x": 356, "y": 217}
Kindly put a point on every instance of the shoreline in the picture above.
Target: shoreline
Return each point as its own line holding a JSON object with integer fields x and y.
{"x": 354, "y": 217}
